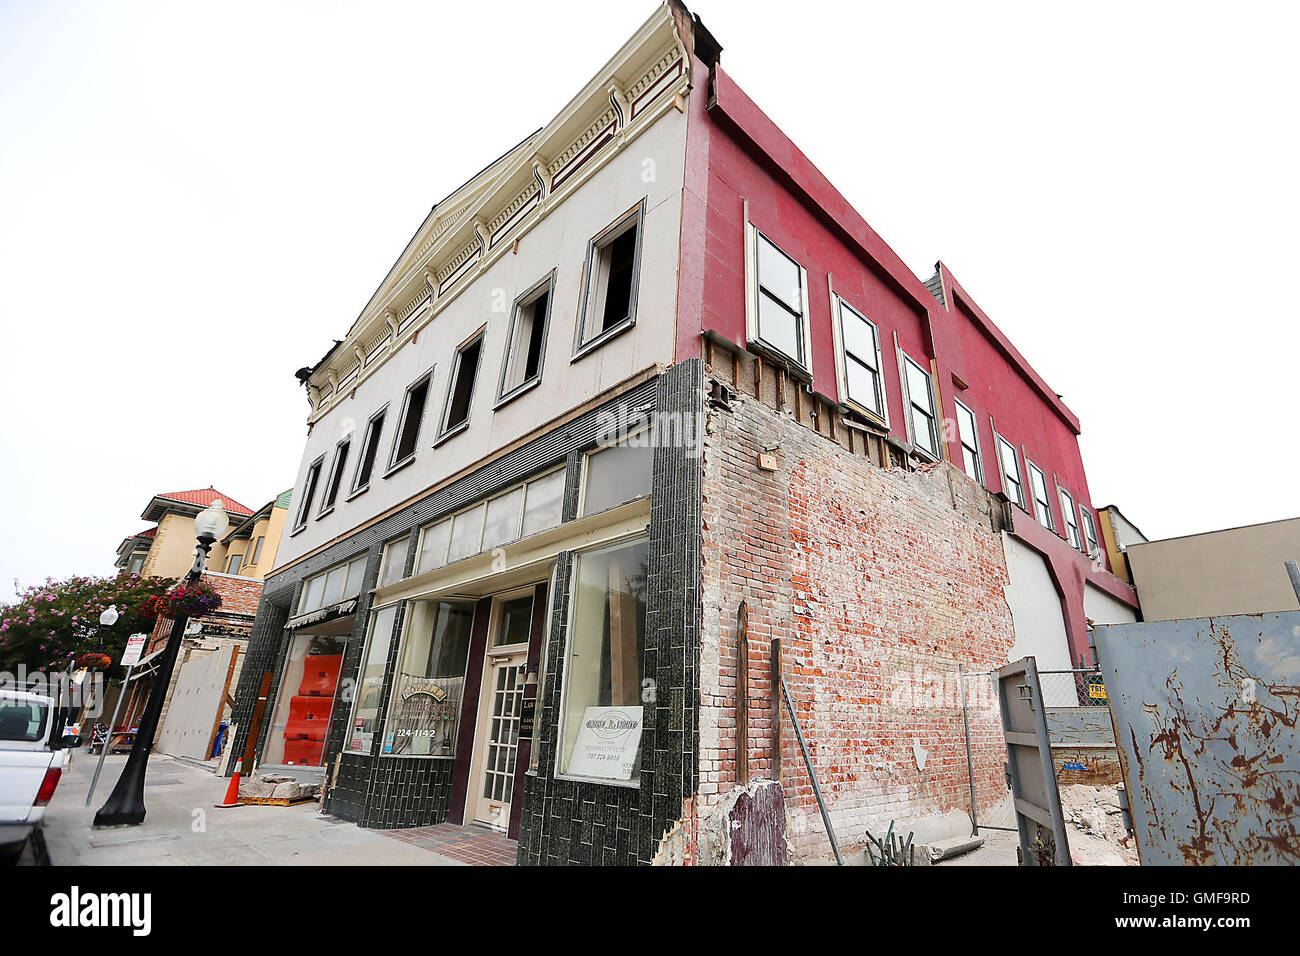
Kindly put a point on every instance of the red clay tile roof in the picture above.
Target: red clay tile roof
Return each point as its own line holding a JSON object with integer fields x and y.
{"x": 205, "y": 497}
{"x": 147, "y": 533}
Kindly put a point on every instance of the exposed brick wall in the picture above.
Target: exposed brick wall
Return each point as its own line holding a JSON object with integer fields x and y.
{"x": 880, "y": 582}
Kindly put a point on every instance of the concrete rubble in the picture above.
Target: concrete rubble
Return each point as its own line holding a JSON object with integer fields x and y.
{"x": 1097, "y": 835}
{"x": 278, "y": 787}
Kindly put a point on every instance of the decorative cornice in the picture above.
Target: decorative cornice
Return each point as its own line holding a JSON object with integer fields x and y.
{"x": 466, "y": 226}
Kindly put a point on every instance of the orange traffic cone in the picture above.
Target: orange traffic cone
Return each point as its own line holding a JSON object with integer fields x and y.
{"x": 232, "y": 794}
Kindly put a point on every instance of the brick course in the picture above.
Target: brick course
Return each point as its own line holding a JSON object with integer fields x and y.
{"x": 880, "y": 582}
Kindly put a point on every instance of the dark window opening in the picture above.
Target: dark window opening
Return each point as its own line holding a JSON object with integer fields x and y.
{"x": 308, "y": 493}
{"x": 409, "y": 431}
{"x": 336, "y": 476}
{"x": 369, "y": 451}
{"x": 527, "y": 344}
{"x": 609, "y": 302}
{"x": 462, "y": 385}
{"x": 618, "y": 295}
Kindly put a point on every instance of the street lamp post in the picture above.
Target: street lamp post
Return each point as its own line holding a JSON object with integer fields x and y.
{"x": 125, "y": 805}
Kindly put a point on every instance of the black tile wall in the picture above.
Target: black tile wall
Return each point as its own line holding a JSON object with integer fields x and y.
{"x": 570, "y": 822}
{"x": 601, "y": 824}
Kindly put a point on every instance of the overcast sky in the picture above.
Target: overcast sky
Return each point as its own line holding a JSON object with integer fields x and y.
{"x": 195, "y": 199}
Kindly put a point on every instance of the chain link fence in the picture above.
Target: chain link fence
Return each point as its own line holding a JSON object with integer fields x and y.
{"x": 1078, "y": 726}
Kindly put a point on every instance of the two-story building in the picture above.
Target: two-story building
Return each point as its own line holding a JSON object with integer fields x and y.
{"x": 166, "y": 548}
{"x": 645, "y": 366}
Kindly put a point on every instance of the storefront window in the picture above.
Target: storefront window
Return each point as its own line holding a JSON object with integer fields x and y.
{"x": 330, "y": 587}
{"x": 424, "y": 714}
{"x": 617, "y": 475}
{"x": 466, "y": 533}
{"x": 502, "y": 522}
{"x": 393, "y": 564}
{"x": 370, "y": 682}
{"x": 306, "y": 698}
{"x": 523, "y": 510}
{"x": 433, "y": 546}
{"x": 602, "y": 710}
{"x": 543, "y": 504}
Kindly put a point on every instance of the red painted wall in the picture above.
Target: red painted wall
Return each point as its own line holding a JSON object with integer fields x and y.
{"x": 736, "y": 153}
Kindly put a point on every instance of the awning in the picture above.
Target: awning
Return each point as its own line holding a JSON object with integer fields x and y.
{"x": 340, "y": 609}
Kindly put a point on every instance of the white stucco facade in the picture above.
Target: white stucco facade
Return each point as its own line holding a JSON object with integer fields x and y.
{"x": 646, "y": 168}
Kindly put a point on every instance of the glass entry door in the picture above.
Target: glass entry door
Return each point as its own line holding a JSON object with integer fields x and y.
{"x": 499, "y": 709}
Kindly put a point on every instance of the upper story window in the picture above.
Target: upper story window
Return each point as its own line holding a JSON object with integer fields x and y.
{"x": 617, "y": 474}
{"x": 308, "y": 492}
{"x": 526, "y": 341}
{"x": 233, "y": 567}
{"x": 970, "y": 443}
{"x": 336, "y": 477}
{"x": 864, "y": 386}
{"x": 460, "y": 390}
{"x": 613, "y": 264}
{"x": 408, "y": 425}
{"x": 1071, "y": 522}
{"x": 1012, "y": 483}
{"x": 1089, "y": 532}
{"x": 369, "y": 451}
{"x": 137, "y": 563}
{"x": 778, "y": 297}
{"x": 329, "y": 587}
{"x": 922, "y": 417}
{"x": 1038, "y": 488}
{"x": 257, "y": 549}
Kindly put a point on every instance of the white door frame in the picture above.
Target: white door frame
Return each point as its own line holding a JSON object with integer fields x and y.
{"x": 491, "y": 657}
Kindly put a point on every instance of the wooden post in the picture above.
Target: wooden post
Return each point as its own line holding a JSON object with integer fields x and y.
{"x": 255, "y": 726}
{"x": 742, "y": 695}
{"x": 624, "y": 690}
{"x": 776, "y": 709}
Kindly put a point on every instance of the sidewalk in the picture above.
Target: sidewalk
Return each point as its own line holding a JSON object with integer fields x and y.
{"x": 182, "y": 828}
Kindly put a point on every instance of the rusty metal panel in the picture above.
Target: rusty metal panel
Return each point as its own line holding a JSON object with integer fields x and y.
{"x": 1205, "y": 713}
{"x": 1029, "y": 759}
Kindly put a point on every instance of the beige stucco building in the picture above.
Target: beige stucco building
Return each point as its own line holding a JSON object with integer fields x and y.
{"x": 1234, "y": 571}
{"x": 251, "y": 544}
{"x": 166, "y": 550}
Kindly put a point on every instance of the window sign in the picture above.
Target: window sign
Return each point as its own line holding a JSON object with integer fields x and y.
{"x": 424, "y": 714}
{"x": 609, "y": 743}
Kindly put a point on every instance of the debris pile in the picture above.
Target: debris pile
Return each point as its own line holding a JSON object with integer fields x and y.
{"x": 1099, "y": 837}
{"x": 275, "y": 786}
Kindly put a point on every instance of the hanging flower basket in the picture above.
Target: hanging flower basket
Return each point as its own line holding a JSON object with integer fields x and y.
{"x": 184, "y": 600}
{"x": 95, "y": 661}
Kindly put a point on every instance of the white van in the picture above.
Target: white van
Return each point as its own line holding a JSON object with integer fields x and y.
{"x": 30, "y": 767}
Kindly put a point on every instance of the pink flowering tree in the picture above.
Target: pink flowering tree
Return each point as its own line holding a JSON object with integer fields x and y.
{"x": 51, "y": 624}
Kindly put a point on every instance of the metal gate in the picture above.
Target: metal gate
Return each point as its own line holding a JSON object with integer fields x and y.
{"x": 1029, "y": 763}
